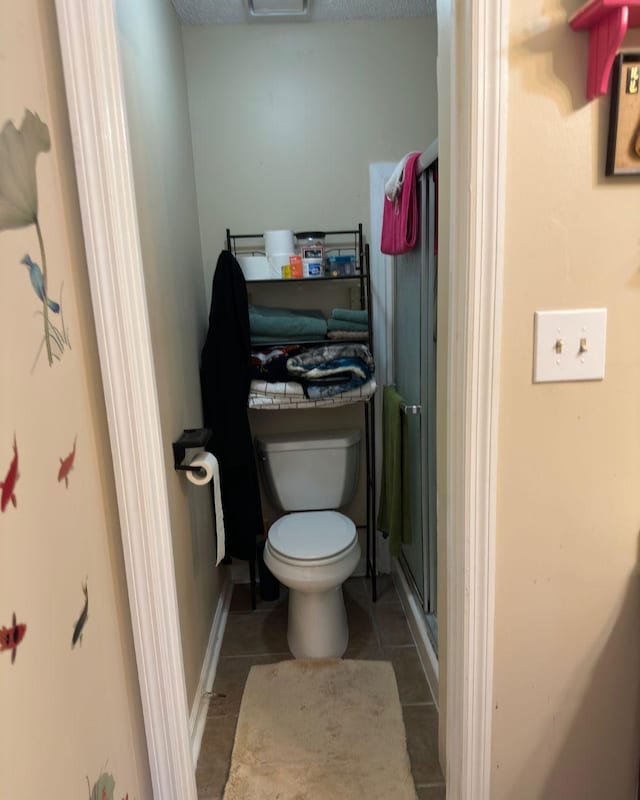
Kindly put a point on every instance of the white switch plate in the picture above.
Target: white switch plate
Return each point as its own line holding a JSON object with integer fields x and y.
{"x": 569, "y": 345}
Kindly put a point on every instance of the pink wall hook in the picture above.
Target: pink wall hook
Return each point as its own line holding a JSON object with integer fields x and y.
{"x": 607, "y": 22}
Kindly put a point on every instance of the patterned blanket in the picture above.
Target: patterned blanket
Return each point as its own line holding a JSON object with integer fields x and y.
{"x": 332, "y": 369}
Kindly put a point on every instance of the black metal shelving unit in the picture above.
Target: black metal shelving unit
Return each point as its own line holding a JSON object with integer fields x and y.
{"x": 336, "y": 242}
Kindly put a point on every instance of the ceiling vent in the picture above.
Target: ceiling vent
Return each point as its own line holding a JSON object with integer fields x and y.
{"x": 281, "y": 9}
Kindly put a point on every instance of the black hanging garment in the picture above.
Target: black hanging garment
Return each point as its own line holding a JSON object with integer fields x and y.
{"x": 225, "y": 380}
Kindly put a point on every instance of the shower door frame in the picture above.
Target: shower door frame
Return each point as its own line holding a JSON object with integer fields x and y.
{"x": 472, "y": 44}
{"x": 427, "y": 592}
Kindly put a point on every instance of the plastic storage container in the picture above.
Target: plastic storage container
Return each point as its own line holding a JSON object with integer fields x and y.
{"x": 310, "y": 245}
{"x": 340, "y": 266}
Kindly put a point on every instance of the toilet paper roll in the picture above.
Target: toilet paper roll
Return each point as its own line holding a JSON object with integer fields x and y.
{"x": 209, "y": 472}
{"x": 255, "y": 268}
{"x": 207, "y": 465}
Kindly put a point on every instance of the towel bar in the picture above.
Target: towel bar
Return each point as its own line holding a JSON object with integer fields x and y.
{"x": 405, "y": 408}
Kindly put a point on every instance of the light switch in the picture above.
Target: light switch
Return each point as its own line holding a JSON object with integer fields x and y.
{"x": 569, "y": 345}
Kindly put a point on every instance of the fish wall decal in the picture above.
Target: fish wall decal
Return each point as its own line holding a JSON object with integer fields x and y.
{"x": 11, "y": 637}
{"x": 82, "y": 619}
{"x": 66, "y": 465}
{"x": 8, "y": 485}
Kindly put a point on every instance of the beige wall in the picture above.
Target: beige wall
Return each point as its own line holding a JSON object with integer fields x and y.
{"x": 67, "y": 714}
{"x": 287, "y": 118}
{"x": 160, "y": 136}
{"x": 567, "y": 655}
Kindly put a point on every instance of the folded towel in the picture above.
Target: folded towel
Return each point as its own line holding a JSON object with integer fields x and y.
{"x": 350, "y": 315}
{"x": 281, "y": 322}
{"x": 400, "y": 216}
{"x": 345, "y": 325}
{"x": 394, "y": 511}
{"x": 263, "y": 340}
{"x": 280, "y": 389}
{"x": 349, "y": 336}
{"x": 316, "y": 391}
{"x": 291, "y": 395}
{"x": 331, "y": 370}
{"x": 321, "y": 356}
{"x": 334, "y": 371}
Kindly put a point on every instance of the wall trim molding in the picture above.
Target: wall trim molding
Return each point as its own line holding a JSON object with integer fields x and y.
{"x": 477, "y": 39}
{"x": 97, "y": 117}
{"x": 198, "y": 716}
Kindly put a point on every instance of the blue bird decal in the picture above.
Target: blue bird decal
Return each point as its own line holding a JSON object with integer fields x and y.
{"x": 37, "y": 281}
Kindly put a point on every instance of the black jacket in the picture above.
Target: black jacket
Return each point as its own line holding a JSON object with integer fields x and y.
{"x": 225, "y": 380}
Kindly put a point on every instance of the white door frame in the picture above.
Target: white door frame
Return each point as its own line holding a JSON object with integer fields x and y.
{"x": 472, "y": 86}
{"x": 476, "y": 48}
{"x": 110, "y": 224}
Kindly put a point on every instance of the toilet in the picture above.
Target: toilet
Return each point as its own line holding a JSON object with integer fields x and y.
{"x": 313, "y": 548}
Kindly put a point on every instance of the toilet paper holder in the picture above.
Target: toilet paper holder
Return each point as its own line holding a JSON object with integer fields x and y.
{"x": 189, "y": 439}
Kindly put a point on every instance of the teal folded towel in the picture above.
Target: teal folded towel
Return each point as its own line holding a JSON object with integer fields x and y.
{"x": 301, "y": 337}
{"x": 351, "y": 315}
{"x": 394, "y": 511}
{"x": 281, "y": 322}
{"x": 345, "y": 325}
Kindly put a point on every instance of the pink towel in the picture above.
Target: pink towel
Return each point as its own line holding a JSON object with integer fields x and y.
{"x": 400, "y": 216}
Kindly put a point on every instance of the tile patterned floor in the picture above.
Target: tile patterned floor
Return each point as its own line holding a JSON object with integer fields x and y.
{"x": 377, "y": 631}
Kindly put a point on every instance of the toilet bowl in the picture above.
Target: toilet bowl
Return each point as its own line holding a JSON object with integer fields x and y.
{"x": 314, "y": 548}
{"x": 313, "y": 553}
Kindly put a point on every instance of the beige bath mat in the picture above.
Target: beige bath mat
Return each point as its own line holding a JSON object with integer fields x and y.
{"x": 320, "y": 730}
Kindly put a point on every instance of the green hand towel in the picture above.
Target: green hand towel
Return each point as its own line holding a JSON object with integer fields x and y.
{"x": 394, "y": 511}
{"x": 351, "y": 315}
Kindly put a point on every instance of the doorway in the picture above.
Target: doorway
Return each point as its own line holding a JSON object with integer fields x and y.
{"x": 470, "y": 153}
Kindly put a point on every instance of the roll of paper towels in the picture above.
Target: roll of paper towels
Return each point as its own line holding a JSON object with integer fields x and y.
{"x": 278, "y": 242}
{"x": 209, "y": 472}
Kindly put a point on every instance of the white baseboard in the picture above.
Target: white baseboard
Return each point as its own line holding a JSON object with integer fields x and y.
{"x": 198, "y": 716}
{"x": 418, "y": 625}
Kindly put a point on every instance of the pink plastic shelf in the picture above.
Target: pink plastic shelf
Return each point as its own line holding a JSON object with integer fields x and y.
{"x": 607, "y": 22}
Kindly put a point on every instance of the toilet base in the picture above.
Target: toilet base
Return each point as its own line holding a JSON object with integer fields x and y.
{"x": 317, "y": 624}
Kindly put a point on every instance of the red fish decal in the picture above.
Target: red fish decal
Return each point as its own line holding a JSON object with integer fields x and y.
{"x": 66, "y": 465}
{"x": 11, "y": 637}
{"x": 9, "y": 483}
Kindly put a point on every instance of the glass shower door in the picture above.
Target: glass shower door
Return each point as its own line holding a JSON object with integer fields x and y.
{"x": 415, "y": 376}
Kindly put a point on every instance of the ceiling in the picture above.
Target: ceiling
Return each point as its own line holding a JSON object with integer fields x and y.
{"x": 210, "y": 12}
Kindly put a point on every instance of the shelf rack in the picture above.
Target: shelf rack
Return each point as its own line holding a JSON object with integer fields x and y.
{"x": 607, "y": 22}
{"x": 336, "y": 242}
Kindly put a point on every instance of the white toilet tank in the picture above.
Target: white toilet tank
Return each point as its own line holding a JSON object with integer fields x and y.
{"x": 310, "y": 471}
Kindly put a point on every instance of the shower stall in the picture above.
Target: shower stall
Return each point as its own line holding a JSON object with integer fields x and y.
{"x": 404, "y": 292}
{"x": 414, "y": 359}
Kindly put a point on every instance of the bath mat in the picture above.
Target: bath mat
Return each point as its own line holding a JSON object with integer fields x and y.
{"x": 320, "y": 730}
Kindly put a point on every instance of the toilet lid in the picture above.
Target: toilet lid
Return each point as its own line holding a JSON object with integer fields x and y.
{"x": 310, "y": 535}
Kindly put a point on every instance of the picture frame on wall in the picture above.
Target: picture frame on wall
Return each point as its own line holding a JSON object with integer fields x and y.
{"x": 623, "y": 146}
